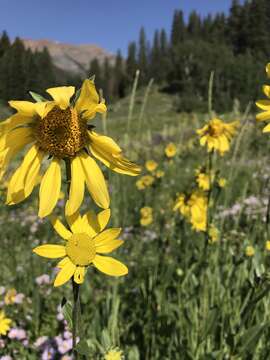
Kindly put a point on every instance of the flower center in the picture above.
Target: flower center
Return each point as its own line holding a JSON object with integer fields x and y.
{"x": 81, "y": 249}
{"x": 62, "y": 133}
{"x": 215, "y": 130}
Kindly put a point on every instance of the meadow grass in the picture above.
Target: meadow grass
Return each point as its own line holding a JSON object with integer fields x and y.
{"x": 180, "y": 300}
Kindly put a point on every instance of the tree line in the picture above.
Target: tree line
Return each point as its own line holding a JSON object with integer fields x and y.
{"x": 235, "y": 45}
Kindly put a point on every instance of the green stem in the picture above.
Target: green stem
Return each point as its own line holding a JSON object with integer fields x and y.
{"x": 75, "y": 315}
{"x": 210, "y": 168}
{"x": 75, "y": 287}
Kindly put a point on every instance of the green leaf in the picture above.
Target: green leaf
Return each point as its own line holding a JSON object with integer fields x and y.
{"x": 251, "y": 337}
{"x": 67, "y": 312}
{"x": 211, "y": 322}
{"x": 83, "y": 348}
{"x": 37, "y": 97}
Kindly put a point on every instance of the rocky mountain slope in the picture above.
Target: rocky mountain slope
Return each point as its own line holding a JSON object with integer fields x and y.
{"x": 69, "y": 57}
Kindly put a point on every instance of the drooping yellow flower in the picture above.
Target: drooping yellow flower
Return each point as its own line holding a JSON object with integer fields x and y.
{"x": 144, "y": 182}
{"x": 146, "y": 216}
{"x": 114, "y": 354}
{"x": 194, "y": 208}
{"x": 10, "y": 297}
{"x": 217, "y": 135}
{"x": 267, "y": 245}
{"x": 58, "y": 130}
{"x": 4, "y": 323}
{"x": 151, "y": 165}
{"x": 249, "y": 251}
{"x": 86, "y": 240}
{"x": 170, "y": 150}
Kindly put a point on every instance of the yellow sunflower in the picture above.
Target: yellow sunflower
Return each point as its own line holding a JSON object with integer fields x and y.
{"x": 170, "y": 150}
{"x": 84, "y": 242}
{"x": 58, "y": 130}
{"x": 265, "y": 104}
{"x": 4, "y": 323}
{"x": 151, "y": 165}
{"x": 146, "y": 216}
{"x": 217, "y": 135}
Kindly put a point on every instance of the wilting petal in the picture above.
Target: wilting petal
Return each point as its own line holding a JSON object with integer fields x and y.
{"x": 110, "y": 266}
{"x": 96, "y": 223}
{"x": 76, "y": 192}
{"x": 95, "y": 181}
{"x": 50, "y": 188}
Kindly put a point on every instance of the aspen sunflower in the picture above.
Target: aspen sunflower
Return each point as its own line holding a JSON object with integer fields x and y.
{"x": 84, "y": 242}
{"x": 170, "y": 150}
{"x": 151, "y": 165}
{"x": 217, "y": 135}
{"x": 4, "y": 323}
{"x": 57, "y": 130}
{"x": 265, "y": 104}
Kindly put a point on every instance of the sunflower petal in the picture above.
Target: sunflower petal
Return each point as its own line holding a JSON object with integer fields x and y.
{"x": 95, "y": 181}
{"x": 110, "y": 266}
{"x": 50, "y": 251}
{"x": 88, "y": 101}
{"x": 75, "y": 222}
{"x": 76, "y": 192}
{"x": 61, "y": 95}
{"x": 109, "y": 247}
{"x": 107, "y": 236}
{"x": 60, "y": 228}
{"x": 50, "y": 188}
{"x": 25, "y": 108}
{"x": 16, "y": 190}
{"x": 266, "y": 128}
{"x": 65, "y": 274}
{"x": 63, "y": 262}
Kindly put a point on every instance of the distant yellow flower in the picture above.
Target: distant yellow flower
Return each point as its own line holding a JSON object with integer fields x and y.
{"x": 159, "y": 174}
{"x": 151, "y": 165}
{"x": 4, "y": 323}
{"x": 170, "y": 150}
{"x": 58, "y": 130}
{"x": 203, "y": 179}
{"x": 194, "y": 208}
{"x": 146, "y": 216}
{"x": 114, "y": 354}
{"x": 213, "y": 234}
{"x": 84, "y": 242}
{"x": 249, "y": 251}
{"x": 10, "y": 297}
{"x": 217, "y": 135}
{"x": 144, "y": 182}
{"x": 267, "y": 245}
{"x": 222, "y": 182}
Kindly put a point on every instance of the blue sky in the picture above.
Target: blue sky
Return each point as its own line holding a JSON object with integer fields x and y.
{"x": 110, "y": 24}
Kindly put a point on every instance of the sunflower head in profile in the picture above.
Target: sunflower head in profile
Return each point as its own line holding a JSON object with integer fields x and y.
{"x": 217, "y": 135}
{"x": 86, "y": 243}
{"x": 57, "y": 130}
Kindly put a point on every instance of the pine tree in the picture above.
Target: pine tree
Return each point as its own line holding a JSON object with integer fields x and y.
{"x": 131, "y": 62}
{"x": 119, "y": 78}
{"x": 142, "y": 56}
{"x": 95, "y": 70}
{"x": 4, "y": 43}
{"x": 194, "y": 24}
{"x": 178, "y": 28}
{"x": 155, "y": 58}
